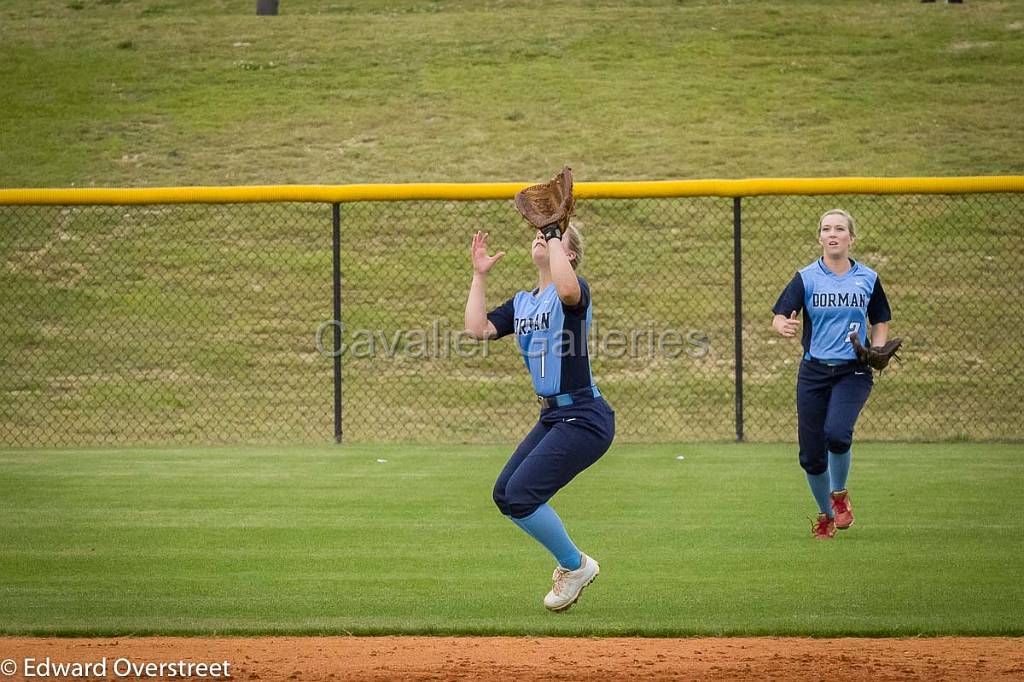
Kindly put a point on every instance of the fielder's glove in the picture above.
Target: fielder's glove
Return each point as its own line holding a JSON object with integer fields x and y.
{"x": 547, "y": 207}
{"x": 876, "y": 357}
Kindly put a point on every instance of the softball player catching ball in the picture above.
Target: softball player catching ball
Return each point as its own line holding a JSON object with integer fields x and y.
{"x": 838, "y": 297}
{"x": 576, "y": 425}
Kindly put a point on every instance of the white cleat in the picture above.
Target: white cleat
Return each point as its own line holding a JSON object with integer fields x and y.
{"x": 569, "y": 584}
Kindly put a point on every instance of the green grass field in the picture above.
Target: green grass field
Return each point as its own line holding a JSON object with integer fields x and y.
{"x": 333, "y": 540}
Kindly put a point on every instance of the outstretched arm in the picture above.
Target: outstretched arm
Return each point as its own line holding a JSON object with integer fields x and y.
{"x": 476, "y": 321}
{"x": 562, "y": 274}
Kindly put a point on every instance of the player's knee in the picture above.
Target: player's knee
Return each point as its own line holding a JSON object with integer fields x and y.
{"x": 521, "y": 503}
{"x": 839, "y": 441}
{"x": 498, "y": 495}
{"x": 815, "y": 466}
{"x": 520, "y": 510}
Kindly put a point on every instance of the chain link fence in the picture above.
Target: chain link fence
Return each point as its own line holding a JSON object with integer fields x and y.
{"x": 203, "y": 324}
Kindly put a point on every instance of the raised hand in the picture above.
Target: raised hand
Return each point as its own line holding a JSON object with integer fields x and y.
{"x": 482, "y": 263}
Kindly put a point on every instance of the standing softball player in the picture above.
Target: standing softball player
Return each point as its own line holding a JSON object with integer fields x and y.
{"x": 576, "y": 425}
{"x": 838, "y": 297}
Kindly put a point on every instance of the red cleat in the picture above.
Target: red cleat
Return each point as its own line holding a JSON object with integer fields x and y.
{"x": 842, "y": 510}
{"x": 824, "y": 528}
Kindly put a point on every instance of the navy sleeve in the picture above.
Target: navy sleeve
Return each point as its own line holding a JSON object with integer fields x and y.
{"x": 580, "y": 309}
{"x": 791, "y": 298}
{"x": 878, "y": 305}
{"x": 503, "y": 317}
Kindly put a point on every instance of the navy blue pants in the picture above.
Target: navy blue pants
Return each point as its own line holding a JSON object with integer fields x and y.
{"x": 828, "y": 402}
{"x": 565, "y": 441}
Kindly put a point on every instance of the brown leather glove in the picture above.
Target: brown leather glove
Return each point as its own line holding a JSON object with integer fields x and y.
{"x": 876, "y": 357}
{"x": 549, "y": 204}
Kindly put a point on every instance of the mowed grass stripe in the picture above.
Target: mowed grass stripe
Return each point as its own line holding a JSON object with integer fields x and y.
{"x": 331, "y": 540}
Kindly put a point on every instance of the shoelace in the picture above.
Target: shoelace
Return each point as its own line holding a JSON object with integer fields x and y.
{"x": 842, "y": 506}
{"x": 560, "y": 574}
{"x": 819, "y": 526}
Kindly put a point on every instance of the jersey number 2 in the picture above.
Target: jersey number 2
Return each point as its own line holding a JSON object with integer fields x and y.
{"x": 854, "y": 329}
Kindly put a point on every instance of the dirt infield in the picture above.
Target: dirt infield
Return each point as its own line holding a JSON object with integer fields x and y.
{"x": 491, "y": 658}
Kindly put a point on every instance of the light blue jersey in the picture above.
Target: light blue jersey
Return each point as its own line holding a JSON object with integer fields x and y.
{"x": 833, "y": 306}
{"x": 552, "y": 337}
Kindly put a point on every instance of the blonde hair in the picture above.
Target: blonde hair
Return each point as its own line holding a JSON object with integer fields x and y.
{"x": 575, "y": 244}
{"x": 845, "y": 214}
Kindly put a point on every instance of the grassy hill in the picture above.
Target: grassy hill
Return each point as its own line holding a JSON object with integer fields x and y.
{"x": 169, "y": 92}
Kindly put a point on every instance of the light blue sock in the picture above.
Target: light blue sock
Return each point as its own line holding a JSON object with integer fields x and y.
{"x": 544, "y": 526}
{"x": 839, "y": 468}
{"x": 819, "y": 488}
{"x": 522, "y": 526}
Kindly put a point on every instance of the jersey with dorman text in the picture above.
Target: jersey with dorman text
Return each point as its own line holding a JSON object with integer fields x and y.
{"x": 552, "y": 337}
{"x": 833, "y": 306}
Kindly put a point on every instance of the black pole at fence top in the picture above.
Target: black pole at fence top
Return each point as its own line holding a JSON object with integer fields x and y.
{"x": 737, "y": 267}
{"x": 336, "y": 249}
{"x": 266, "y": 7}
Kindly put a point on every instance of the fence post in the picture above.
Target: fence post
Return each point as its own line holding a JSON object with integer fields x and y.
{"x": 737, "y": 267}
{"x": 266, "y": 7}
{"x": 336, "y": 249}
